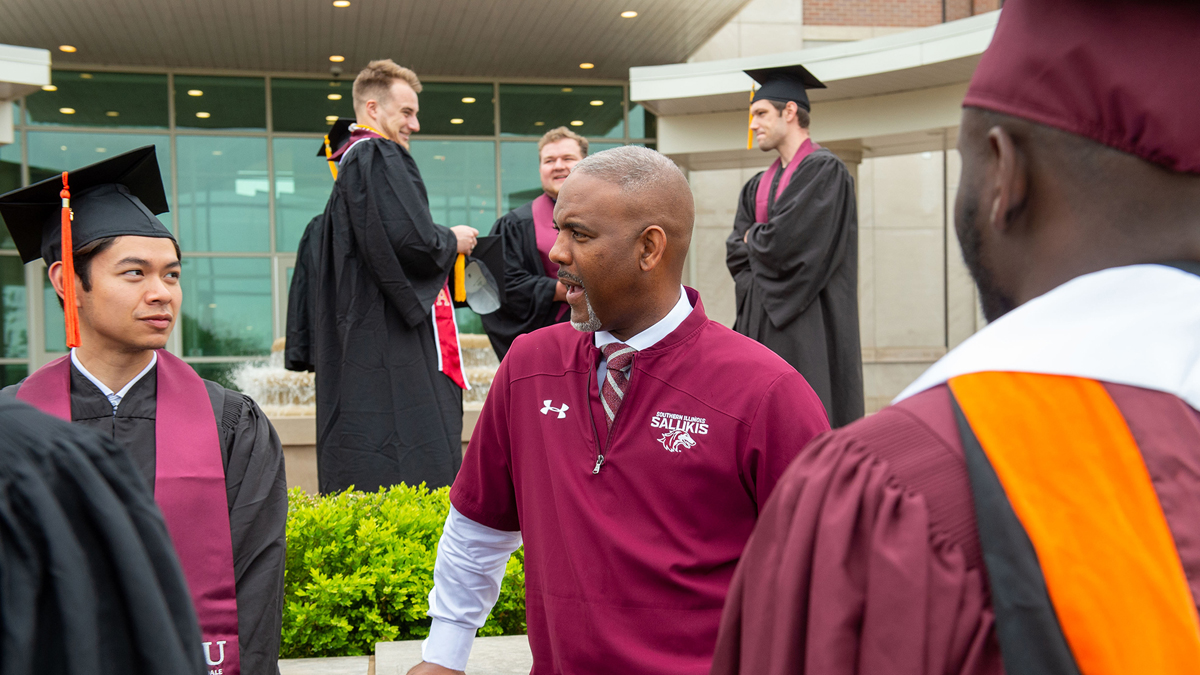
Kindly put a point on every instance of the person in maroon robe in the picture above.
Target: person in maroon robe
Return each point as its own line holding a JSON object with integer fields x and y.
{"x": 534, "y": 297}
{"x": 631, "y": 451}
{"x": 909, "y": 542}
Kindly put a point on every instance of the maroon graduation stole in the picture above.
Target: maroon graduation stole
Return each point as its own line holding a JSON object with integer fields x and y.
{"x": 543, "y": 229}
{"x": 1083, "y": 568}
{"x": 189, "y": 487}
{"x": 446, "y": 332}
{"x": 762, "y": 196}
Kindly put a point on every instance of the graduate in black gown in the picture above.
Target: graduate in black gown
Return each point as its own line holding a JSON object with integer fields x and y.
{"x": 389, "y": 374}
{"x": 119, "y": 381}
{"x": 793, "y": 252}
{"x": 89, "y": 582}
{"x": 300, "y": 351}
{"x": 534, "y": 297}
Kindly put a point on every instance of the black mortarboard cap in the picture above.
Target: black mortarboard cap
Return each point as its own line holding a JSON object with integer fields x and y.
{"x": 484, "y": 276}
{"x": 785, "y": 83}
{"x": 115, "y": 197}
{"x": 338, "y": 134}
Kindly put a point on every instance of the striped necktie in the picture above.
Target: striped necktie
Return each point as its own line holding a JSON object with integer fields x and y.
{"x": 620, "y": 358}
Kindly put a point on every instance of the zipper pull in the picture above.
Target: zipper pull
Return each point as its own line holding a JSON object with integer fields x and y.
{"x": 599, "y": 461}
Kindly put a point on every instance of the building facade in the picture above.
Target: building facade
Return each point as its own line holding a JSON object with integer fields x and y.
{"x": 238, "y": 154}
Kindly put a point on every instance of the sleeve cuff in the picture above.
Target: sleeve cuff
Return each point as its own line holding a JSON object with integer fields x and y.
{"x": 448, "y": 645}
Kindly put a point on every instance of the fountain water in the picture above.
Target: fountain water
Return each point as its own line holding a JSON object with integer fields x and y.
{"x": 285, "y": 393}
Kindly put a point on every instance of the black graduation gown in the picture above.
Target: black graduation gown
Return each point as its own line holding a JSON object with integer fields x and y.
{"x": 528, "y": 293}
{"x": 385, "y": 413}
{"x": 298, "y": 353}
{"x": 89, "y": 580}
{"x": 255, "y": 486}
{"x": 796, "y": 279}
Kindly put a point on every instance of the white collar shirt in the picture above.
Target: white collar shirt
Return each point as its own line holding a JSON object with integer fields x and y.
{"x": 113, "y": 397}
{"x": 647, "y": 338}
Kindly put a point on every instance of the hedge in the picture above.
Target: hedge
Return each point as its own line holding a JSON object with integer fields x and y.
{"x": 360, "y": 567}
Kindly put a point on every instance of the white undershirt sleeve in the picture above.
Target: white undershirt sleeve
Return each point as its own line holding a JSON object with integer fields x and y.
{"x": 466, "y": 584}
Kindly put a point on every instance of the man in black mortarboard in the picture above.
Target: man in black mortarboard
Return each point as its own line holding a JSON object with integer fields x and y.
{"x": 91, "y": 582}
{"x": 210, "y": 455}
{"x": 389, "y": 372}
{"x": 534, "y": 297}
{"x": 298, "y": 354}
{"x": 793, "y": 252}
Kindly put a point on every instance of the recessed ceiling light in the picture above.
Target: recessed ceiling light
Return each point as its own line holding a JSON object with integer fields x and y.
{"x": 195, "y": 92}
{"x": 468, "y": 99}
{"x": 334, "y": 97}
{"x": 576, "y": 123}
{"x": 101, "y": 149}
{"x": 597, "y": 102}
{"x": 330, "y": 119}
{"x": 63, "y": 148}
{"x": 539, "y": 124}
{"x": 49, "y": 87}
{"x": 567, "y": 90}
{"x": 337, "y": 59}
{"x": 203, "y": 115}
{"x": 112, "y": 113}
{"x": 341, "y": 3}
{"x": 67, "y": 111}
{"x": 217, "y": 153}
{"x": 456, "y": 120}
{"x": 587, "y": 66}
{"x": 85, "y": 76}
{"x": 628, "y": 15}
{"x": 67, "y": 49}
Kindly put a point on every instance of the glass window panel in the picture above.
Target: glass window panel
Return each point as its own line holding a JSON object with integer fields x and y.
{"x": 309, "y": 105}
{"x": 460, "y": 177}
{"x": 218, "y": 372}
{"x": 302, "y": 186}
{"x": 532, "y": 110}
{"x": 459, "y": 109}
{"x": 54, "y": 328}
{"x": 12, "y": 373}
{"x": 226, "y": 306}
{"x": 52, "y": 152}
{"x": 468, "y": 321}
{"x": 223, "y": 196}
{"x": 642, "y": 123}
{"x": 519, "y": 178}
{"x": 220, "y": 102}
{"x": 10, "y": 177}
{"x": 14, "y": 322}
{"x": 101, "y": 100}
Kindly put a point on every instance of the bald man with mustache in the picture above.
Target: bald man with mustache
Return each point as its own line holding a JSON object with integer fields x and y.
{"x": 631, "y": 450}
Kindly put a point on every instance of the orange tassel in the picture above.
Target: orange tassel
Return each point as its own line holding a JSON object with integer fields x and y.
{"x": 68, "y": 258}
{"x": 749, "y": 131}
{"x": 329, "y": 158}
{"x": 460, "y": 278}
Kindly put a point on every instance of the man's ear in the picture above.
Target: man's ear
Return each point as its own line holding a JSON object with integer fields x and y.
{"x": 56, "y": 279}
{"x": 652, "y": 245}
{"x": 790, "y": 111}
{"x": 1009, "y": 178}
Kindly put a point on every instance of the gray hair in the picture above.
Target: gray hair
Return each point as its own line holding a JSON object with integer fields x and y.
{"x": 632, "y": 168}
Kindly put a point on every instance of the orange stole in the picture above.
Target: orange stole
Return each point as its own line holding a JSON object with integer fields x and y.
{"x": 1077, "y": 482}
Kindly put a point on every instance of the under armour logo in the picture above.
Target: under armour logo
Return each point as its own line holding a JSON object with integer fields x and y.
{"x": 547, "y": 409}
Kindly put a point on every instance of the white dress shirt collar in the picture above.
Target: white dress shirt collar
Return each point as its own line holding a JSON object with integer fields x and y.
{"x": 113, "y": 397}
{"x": 651, "y": 336}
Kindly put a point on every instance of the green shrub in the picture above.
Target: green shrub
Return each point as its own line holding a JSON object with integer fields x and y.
{"x": 360, "y": 567}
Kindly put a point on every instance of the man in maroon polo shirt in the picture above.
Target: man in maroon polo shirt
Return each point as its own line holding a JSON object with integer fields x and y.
{"x": 631, "y": 451}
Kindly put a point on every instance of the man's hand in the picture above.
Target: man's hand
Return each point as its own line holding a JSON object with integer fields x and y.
{"x": 560, "y": 292}
{"x": 426, "y": 668}
{"x": 467, "y": 238}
